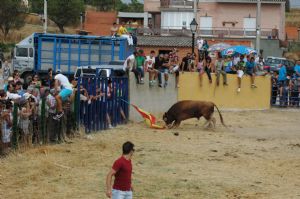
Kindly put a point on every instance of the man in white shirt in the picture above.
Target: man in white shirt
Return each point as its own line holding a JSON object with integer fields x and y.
{"x": 150, "y": 61}
{"x": 66, "y": 89}
{"x": 129, "y": 62}
{"x": 10, "y": 95}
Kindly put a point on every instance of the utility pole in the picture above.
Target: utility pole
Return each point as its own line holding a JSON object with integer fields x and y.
{"x": 195, "y": 9}
{"x": 258, "y": 27}
{"x": 45, "y": 16}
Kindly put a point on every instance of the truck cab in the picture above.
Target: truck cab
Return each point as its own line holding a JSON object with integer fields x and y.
{"x": 24, "y": 56}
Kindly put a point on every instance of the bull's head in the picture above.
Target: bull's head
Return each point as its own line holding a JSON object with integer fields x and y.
{"x": 168, "y": 120}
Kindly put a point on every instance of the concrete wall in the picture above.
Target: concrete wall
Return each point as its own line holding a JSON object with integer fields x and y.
{"x": 154, "y": 99}
{"x": 227, "y": 97}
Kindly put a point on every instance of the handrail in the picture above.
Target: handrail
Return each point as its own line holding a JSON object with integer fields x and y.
{"x": 221, "y": 32}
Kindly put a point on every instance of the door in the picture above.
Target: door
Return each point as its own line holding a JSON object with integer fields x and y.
{"x": 21, "y": 59}
{"x": 250, "y": 26}
{"x": 206, "y": 26}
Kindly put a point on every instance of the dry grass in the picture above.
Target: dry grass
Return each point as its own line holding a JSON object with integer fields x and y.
{"x": 256, "y": 157}
{"x": 33, "y": 24}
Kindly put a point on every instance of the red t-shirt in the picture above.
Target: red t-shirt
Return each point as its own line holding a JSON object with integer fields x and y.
{"x": 123, "y": 170}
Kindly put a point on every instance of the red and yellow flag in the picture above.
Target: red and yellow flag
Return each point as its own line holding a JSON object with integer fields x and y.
{"x": 149, "y": 118}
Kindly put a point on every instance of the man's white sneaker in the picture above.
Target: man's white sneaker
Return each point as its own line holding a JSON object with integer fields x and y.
{"x": 239, "y": 90}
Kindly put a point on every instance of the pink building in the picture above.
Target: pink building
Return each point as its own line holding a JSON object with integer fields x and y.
{"x": 218, "y": 18}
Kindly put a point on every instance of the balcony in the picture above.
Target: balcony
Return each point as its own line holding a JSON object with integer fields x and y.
{"x": 245, "y": 1}
{"x": 215, "y": 32}
{"x": 165, "y": 4}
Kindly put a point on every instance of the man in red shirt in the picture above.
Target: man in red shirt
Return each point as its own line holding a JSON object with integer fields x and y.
{"x": 122, "y": 170}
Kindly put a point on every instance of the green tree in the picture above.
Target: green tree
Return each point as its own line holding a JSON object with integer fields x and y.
{"x": 65, "y": 12}
{"x": 11, "y": 15}
{"x": 61, "y": 12}
{"x": 135, "y": 6}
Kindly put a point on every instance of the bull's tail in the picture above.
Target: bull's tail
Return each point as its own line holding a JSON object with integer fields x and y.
{"x": 221, "y": 117}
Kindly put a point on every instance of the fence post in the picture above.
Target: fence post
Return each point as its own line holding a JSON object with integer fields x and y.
{"x": 43, "y": 112}
{"x": 15, "y": 135}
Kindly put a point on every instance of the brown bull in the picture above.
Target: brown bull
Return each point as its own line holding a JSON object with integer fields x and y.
{"x": 187, "y": 109}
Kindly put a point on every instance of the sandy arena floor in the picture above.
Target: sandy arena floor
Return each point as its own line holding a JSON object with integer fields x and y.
{"x": 258, "y": 156}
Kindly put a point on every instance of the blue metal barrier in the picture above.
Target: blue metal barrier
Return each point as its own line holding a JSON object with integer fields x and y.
{"x": 104, "y": 100}
{"x": 285, "y": 96}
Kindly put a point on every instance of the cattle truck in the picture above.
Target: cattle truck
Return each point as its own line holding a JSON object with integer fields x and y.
{"x": 39, "y": 52}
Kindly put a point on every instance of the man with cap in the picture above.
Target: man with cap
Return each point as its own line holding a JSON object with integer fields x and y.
{"x": 61, "y": 83}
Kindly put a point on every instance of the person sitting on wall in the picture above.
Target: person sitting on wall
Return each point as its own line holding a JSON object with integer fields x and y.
{"x": 150, "y": 62}
{"x": 114, "y": 30}
{"x": 122, "y": 32}
{"x": 250, "y": 70}
{"x": 66, "y": 89}
{"x": 174, "y": 65}
{"x": 220, "y": 70}
{"x": 240, "y": 71}
{"x": 184, "y": 66}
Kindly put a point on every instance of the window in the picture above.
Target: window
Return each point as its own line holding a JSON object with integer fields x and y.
{"x": 250, "y": 24}
{"x": 30, "y": 52}
{"x": 22, "y": 52}
{"x": 206, "y": 25}
{"x": 176, "y": 20}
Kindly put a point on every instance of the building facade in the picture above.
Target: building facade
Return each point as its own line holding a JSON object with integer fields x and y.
{"x": 218, "y": 18}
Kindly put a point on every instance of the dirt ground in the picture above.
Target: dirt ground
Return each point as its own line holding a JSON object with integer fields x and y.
{"x": 257, "y": 156}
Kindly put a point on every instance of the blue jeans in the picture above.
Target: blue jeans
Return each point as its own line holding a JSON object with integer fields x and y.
{"x": 117, "y": 194}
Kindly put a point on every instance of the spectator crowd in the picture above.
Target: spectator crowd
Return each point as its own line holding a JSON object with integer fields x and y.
{"x": 285, "y": 89}
{"x": 29, "y": 113}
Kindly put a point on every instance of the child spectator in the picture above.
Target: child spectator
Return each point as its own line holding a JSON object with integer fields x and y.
{"x": 186, "y": 63}
{"x": 52, "y": 124}
{"x": 150, "y": 62}
{"x": 208, "y": 68}
{"x": 24, "y": 122}
{"x": 259, "y": 70}
{"x": 6, "y": 125}
{"x": 114, "y": 29}
{"x": 240, "y": 72}
{"x": 220, "y": 70}
{"x": 294, "y": 92}
{"x": 274, "y": 80}
{"x": 140, "y": 65}
{"x": 250, "y": 70}
{"x": 165, "y": 69}
{"x": 200, "y": 68}
{"x": 282, "y": 78}
{"x": 229, "y": 67}
{"x": 61, "y": 82}
{"x": 159, "y": 60}
{"x": 174, "y": 68}
{"x": 6, "y": 71}
{"x": 122, "y": 30}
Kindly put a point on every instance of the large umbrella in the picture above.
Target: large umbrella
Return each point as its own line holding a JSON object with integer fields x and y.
{"x": 218, "y": 47}
{"x": 243, "y": 50}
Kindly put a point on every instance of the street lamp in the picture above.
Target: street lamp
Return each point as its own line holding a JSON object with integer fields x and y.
{"x": 193, "y": 27}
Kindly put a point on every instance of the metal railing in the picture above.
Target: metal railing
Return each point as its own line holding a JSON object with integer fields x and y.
{"x": 219, "y": 32}
{"x": 286, "y": 95}
{"x": 176, "y": 3}
{"x": 106, "y": 105}
{"x": 245, "y": 1}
